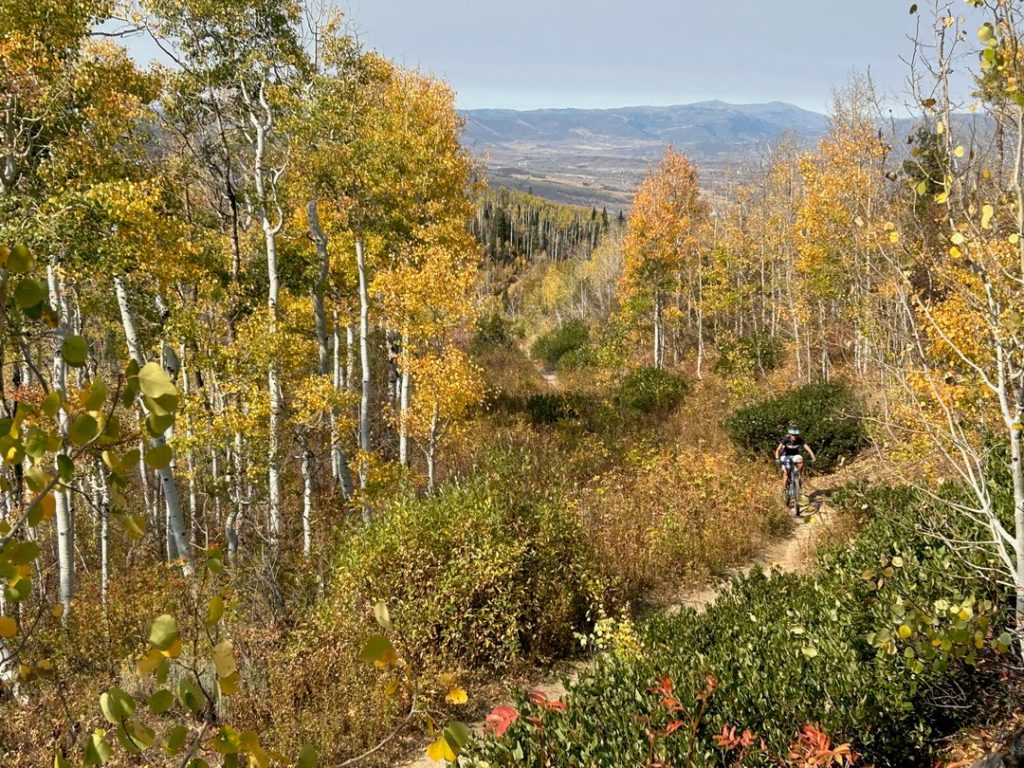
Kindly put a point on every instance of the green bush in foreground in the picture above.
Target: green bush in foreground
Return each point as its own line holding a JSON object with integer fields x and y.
{"x": 828, "y": 414}
{"x": 477, "y": 577}
{"x": 559, "y": 342}
{"x": 652, "y": 390}
{"x": 844, "y": 649}
{"x": 551, "y": 408}
{"x": 472, "y": 576}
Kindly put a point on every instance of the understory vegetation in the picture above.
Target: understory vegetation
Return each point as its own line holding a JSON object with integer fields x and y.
{"x": 884, "y": 647}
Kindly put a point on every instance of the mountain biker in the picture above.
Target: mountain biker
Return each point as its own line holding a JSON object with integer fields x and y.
{"x": 790, "y": 451}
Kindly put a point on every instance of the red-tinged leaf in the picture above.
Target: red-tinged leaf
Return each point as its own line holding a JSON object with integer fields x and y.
{"x": 537, "y": 698}
{"x": 499, "y": 720}
{"x": 556, "y": 705}
{"x": 537, "y": 722}
{"x": 674, "y": 726}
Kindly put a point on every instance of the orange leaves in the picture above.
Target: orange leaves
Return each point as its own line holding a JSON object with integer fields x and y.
{"x": 665, "y": 226}
{"x": 813, "y": 749}
{"x": 500, "y": 719}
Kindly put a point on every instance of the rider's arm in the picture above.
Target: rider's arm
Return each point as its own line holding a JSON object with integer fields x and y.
{"x": 810, "y": 451}
{"x": 778, "y": 451}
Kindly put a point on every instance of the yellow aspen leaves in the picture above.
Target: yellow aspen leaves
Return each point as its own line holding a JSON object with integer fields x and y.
{"x": 215, "y": 610}
{"x": 47, "y": 505}
{"x": 441, "y": 751}
{"x": 224, "y": 658}
{"x": 8, "y": 627}
{"x": 457, "y": 695}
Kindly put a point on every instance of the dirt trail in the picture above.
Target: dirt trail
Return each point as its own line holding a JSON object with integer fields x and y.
{"x": 790, "y": 554}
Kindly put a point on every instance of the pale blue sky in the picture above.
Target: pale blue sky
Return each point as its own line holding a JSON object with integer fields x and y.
{"x": 602, "y": 53}
{"x": 528, "y": 54}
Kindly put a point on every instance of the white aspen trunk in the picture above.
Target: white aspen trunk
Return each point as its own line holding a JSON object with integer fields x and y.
{"x": 65, "y": 525}
{"x": 364, "y": 360}
{"x": 339, "y": 458}
{"x": 350, "y": 357}
{"x": 1017, "y": 473}
{"x": 431, "y": 451}
{"x": 165, "y": 476}
{"x": 700, "y": 323}
{"x": 659, "y": 341}
{"x": 231, "y": 523}
{"x": 190, "y": 459}
{"x": 339, "y": 385}
{"x": 104, "y": 513}
{"x": 274, "y": 390}
{"x": 215, "y": 482}
{"x": 307, "y": 500}
{"x": 261, "y": 118}
{"x": 403, "y": 408}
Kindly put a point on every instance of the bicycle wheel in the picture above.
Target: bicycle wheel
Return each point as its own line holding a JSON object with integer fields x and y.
{"x": 795, "y": 491}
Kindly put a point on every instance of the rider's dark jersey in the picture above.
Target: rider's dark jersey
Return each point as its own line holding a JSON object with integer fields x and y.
{"x": 794, "y": 448}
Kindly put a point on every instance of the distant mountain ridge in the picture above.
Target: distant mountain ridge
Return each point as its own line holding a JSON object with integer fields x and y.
{"x": 599, "y": 156}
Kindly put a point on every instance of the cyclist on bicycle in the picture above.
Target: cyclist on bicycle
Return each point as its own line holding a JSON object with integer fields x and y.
{"x": 789, "y": 452}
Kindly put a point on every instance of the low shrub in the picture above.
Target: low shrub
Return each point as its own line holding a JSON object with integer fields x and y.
{"x": 582, "y": 359}
{"x": 476, "y": 577}
{"x": 569, "y": 337}
{"x": 551, "y": 408}
{"x": 845, "y": 649}
{"x": 652, "y": 390}
{"x": 492, "y": 330}
{"x": 828, "y": 414}
{"x": 668, "y": 517}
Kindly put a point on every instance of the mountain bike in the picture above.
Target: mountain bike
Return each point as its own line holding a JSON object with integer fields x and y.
{"x": 794, "y": 489}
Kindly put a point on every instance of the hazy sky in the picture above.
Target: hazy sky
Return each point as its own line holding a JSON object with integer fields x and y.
{"x": 600, "y": 53}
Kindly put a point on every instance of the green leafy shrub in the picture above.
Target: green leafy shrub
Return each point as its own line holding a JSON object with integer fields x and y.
{"x": 474, "y": 575}
{"x": 786, "y": 650}
{"x": 552, "y": 407}
{"x": 559, "y": 342}
{"x": 828, "y": 414}
{"x": 581, "y": 359}
{"x": 756, "y": 353}
{"x": 479, "y": 576}
{"x": 492, "y": 330}
{"x": 652, "y": 390}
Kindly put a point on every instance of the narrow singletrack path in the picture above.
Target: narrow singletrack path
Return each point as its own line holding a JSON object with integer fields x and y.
{"x": 791, "y": 554}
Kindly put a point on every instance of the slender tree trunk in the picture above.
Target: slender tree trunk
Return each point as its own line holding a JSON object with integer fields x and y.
{"x": 403, "y": 410}
{"x": 307, "y": 499}
{"x": 231, "y": 523}
{"x": 190, "y": 458}
{"x": 65, "y": 524}
{"x": 261, "y": 118}
{"x": 659, "y": 333}
{"x": 700, "y": 322}
{"x": 165, "y": 476}
{"x": 364, "y": 360}
{"x": 104, "y": 513}
{"x": 339, "y": 459}
{"x": 431, "y": 451}
{"x": 274, "y": 390}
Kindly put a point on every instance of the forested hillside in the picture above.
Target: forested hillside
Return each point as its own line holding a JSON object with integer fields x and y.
{"x": 312, "y": 445}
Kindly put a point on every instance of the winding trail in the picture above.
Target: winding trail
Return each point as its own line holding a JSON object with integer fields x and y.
{"x": 790, "y": 554}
